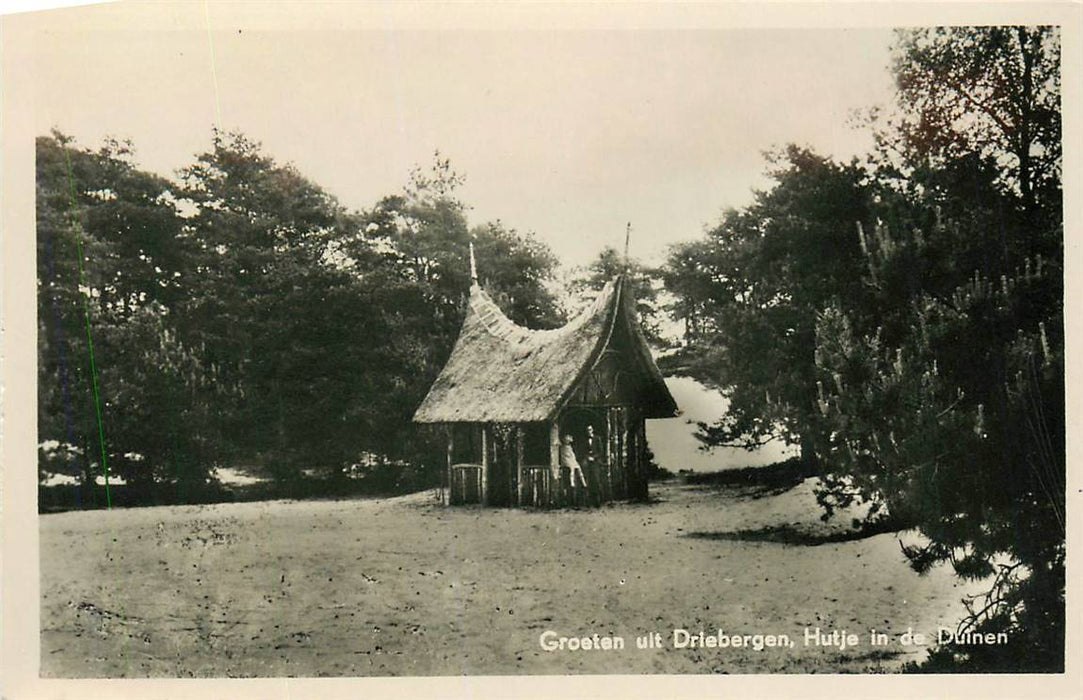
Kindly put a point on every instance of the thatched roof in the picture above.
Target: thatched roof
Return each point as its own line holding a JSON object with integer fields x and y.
{"x": 501, "y": 372}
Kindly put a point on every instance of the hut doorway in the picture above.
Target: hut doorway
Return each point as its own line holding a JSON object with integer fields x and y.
{"x": 535, "y": 475}
{"x": 465, "y": 460}
{"x": 590, "y": 436}
{"x": 502, "y": 464}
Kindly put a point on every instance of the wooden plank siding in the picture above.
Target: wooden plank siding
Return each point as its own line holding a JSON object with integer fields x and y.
{"x": 499, "y": 474}
{"x": 484, "y": 465}
{"x": 518, "y": 488}
{"x": 466, "y": 484}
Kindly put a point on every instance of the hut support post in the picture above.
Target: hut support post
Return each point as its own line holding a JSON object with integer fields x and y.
{"x": 554, "y": 449}
{"x": 554, "y": 459}
{"x": 450, "y": 455}
{"x": 644, "y": 466}
{"x": 518, "y": 465}
{"x": 626, "y": 465}
{"x": 610, "y": 480}
{"x": 637, "y": 457}
{"x": 484, "y": 465}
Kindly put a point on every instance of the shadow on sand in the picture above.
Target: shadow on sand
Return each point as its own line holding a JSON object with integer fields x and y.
{"x": 789, "y": 535}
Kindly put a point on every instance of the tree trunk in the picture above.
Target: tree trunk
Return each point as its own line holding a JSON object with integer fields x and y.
{"x": 1025, "y": 137}
{"x": 809, "y": 459}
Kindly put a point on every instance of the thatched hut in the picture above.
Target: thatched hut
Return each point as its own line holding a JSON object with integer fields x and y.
{"x": 509, "y": 396}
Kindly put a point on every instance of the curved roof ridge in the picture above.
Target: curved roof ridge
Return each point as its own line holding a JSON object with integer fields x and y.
{"x": 493, "y": 319}
{"x": 496, "y": 322}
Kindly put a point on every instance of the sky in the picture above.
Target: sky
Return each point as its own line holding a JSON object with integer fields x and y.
{"x": 566, "y": 133}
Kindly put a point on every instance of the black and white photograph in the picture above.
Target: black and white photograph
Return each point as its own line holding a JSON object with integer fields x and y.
{"x": 372, "y": 341}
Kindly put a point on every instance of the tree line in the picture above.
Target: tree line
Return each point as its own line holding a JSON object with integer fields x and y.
{"x": 240, "y": 316}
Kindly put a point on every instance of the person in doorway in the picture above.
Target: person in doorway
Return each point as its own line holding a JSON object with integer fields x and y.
{"x": 568, "y": 459}
{"x": 594, "y": 466}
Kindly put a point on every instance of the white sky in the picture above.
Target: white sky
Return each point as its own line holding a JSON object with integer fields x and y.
{"x": 567, "y": 133}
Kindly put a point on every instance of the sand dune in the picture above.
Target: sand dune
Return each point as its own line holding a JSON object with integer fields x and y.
{"x": 403, "y": 586}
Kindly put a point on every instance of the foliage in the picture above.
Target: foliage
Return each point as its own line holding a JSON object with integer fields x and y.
{"x": 904, "y": 320}
{"x": 749, "y": 291}
{"x": 265, "y": 327}
{"x": 979, "y": 328}
{"x": 263, "y": 305}
{"x": 990, "y": 91}
{"x": 641, "y": 284}
{"x": 959, "y": 429}
{"x": 109, "y": 265}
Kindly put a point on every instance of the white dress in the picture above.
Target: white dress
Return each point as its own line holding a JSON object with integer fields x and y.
{"x": 567, "y": 459}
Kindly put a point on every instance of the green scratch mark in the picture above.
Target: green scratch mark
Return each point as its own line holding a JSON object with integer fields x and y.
{"x": 89, "y": 339}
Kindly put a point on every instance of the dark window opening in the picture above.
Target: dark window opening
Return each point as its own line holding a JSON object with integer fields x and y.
{"x": 535, "y": 444}
{"x": 467, "y": 444}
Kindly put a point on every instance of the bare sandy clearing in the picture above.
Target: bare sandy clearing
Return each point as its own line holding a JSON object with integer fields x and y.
{"x": 403, "y": 587}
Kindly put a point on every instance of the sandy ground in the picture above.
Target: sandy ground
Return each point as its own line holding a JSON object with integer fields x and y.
{"x": 405, "y": 587}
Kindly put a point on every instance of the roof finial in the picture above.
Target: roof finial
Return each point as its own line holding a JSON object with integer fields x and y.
{"x": 473, "y": 265}
{"x": 627, "y": 238}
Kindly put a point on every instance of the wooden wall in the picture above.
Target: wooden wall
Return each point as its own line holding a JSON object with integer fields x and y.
{"x": 500, "y": 475}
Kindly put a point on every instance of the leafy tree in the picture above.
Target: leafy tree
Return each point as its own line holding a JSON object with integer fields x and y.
{"x": 65, "y": 395}
{"x": 958, "y": 428}
{"x": 690, "y": 275}
{"x": 641, "y": 283}
{"x": 946, "y": 402}
{"x": 265, "y": 305}
{"x": 905, "y": 321}
{"x": 751, "y": 289}
{"x": 518, "y": 270}
{"x": 161, "y": 400}
{"x": 109, "y": 269}
{"x": 989, "y": 91}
